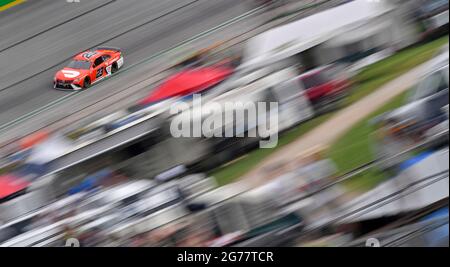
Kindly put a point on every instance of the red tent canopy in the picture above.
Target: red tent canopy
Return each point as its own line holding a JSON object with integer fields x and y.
{"x": 188, "y": 82}
{"x": 10, "y": 184}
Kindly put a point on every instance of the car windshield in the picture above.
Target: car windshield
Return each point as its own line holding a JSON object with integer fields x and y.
{"x": 431, "y": 5}
{"x": 314, "y": 80}
{"x": 77, "y": 64}
{"x": 428, "y": 86}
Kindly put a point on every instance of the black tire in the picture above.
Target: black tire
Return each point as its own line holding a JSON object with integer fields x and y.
{"x": 87, "y": 83}
{"x": 114, "y": 68}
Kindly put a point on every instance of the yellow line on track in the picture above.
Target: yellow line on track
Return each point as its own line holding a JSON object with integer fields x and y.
{"x": 14, "y": 3}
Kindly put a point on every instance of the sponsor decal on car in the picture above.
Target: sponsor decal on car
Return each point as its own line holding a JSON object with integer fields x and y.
{"x": 89, "y": 54}
{"x": 70, "y": 73}
{"x": 120, "y": 62}
{"x": 108, "y": 69}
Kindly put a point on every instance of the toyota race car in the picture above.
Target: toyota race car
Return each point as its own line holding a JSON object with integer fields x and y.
{"x": 88, "y": 67}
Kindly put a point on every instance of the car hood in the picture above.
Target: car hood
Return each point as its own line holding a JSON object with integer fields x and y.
{"x": 409, "y": 111}
{"x": 70, "y": 74}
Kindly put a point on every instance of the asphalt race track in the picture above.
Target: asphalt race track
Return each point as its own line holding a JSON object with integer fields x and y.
{"x": 39, "y": 37}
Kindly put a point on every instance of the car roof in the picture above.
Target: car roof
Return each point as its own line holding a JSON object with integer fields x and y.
{"x": 89, "y": 55}
{"x": 315, "y": 71}
{"x": 439, "y": 62}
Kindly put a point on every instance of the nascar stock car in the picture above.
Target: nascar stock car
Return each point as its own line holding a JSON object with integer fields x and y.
{"x": 88, "y": 68}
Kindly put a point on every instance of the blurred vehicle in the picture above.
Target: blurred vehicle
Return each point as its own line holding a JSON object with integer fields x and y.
{"x": 433, "y": 17}
{"x": 88, "y": 67}
{"x": 425, "y": 105}
{"x": 410, "y": 124}
{"x": 421, "y": 183}
{"x": 325, "y": 87}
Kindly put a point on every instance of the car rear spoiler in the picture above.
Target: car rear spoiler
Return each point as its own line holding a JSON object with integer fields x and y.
{"x": 107, "y": 48}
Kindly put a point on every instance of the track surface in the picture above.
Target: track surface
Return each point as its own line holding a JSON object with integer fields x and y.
{"x": 38, "y": 37}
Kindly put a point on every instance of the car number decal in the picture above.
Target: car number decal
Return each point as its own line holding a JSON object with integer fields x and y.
{"x": 99, "y": 72}
{"x": 89, "y": 54}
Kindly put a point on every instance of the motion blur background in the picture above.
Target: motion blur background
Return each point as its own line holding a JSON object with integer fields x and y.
{"x": 362, "y": 152}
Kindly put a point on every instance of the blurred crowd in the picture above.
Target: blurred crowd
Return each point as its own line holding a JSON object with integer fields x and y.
{"x": 103, "y": 203}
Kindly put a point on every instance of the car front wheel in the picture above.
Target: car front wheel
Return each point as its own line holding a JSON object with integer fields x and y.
{"x": 87, "y": 83}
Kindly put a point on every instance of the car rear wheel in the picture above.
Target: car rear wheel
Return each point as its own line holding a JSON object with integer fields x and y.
{"x": 114, "y": 68}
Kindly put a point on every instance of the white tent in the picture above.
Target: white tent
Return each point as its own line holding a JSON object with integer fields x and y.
{"x": 293, "y": 38}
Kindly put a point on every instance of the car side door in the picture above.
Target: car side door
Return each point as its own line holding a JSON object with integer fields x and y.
{"x": 98, "y": 68}
{"x": 439, "y": 97}
{"x": 431, "y": 96}
{"x": 108, "y": 64}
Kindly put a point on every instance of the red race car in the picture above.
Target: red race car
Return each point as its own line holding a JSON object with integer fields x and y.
{"x": 88, "y": 67}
